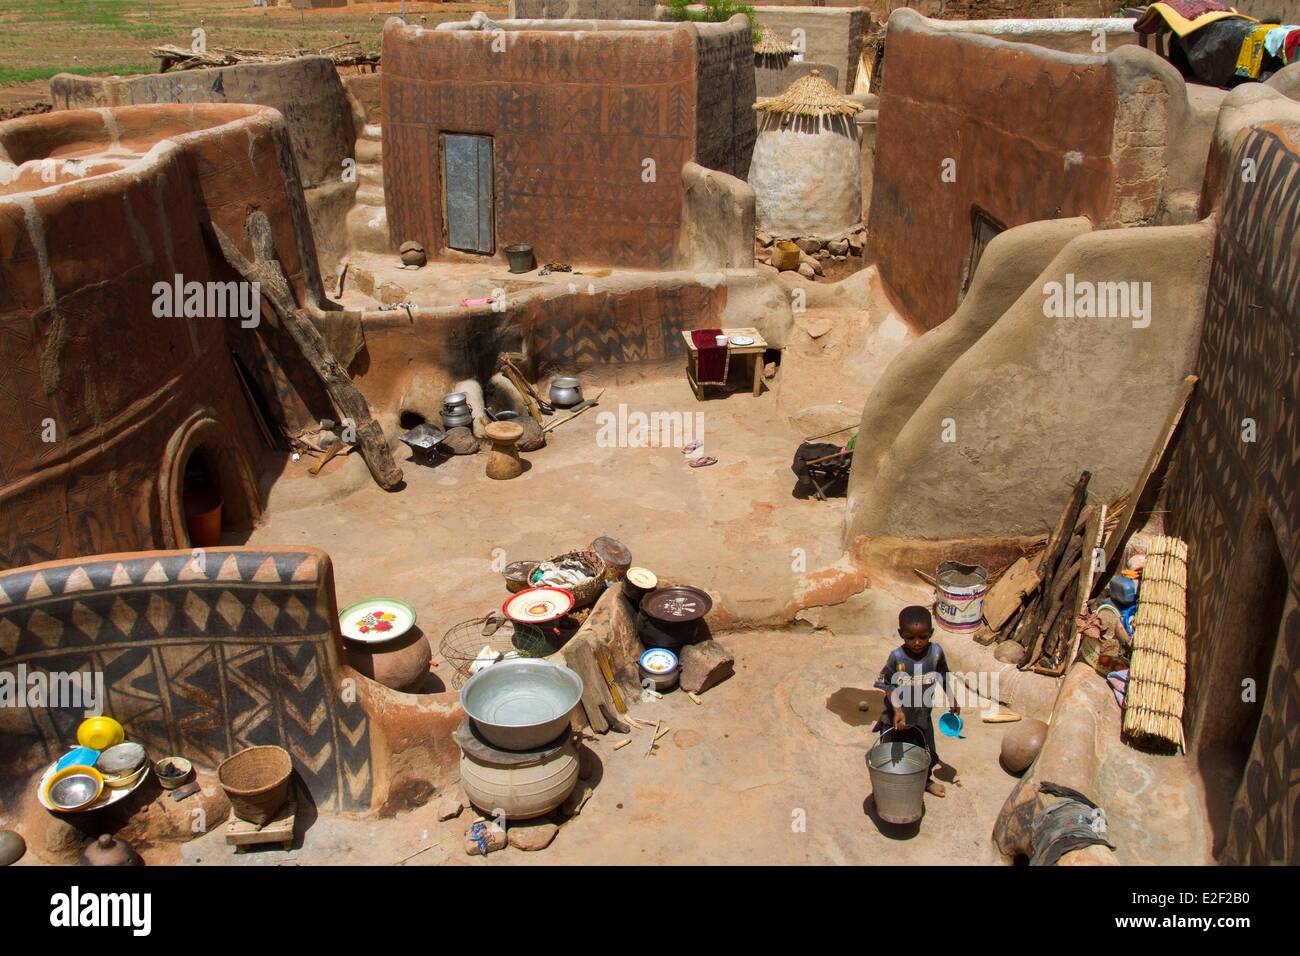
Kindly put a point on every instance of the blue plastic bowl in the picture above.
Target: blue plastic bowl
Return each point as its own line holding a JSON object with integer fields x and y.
{"x": 950, "y": 724}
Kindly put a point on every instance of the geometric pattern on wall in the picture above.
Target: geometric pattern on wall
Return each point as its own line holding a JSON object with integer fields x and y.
{"x": 1248, "y": 369}
{"x": 200, "y": 659}
{"x": 643, "y": 325}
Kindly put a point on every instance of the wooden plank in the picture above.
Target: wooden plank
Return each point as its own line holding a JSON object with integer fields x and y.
{"x": 1010, "y": 591}
{"x": 608, "y": 673}
{"x": 265, "y": 270}
{"x": 1115, "y": 542}
{"x": 578, "y": 656}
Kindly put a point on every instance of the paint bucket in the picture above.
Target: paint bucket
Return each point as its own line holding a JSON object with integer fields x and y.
{"x": 959, "y": 595}
{"x": 203, "y": 518}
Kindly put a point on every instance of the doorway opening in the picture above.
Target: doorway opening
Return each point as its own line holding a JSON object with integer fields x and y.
{"x": 1236, "y": 670}
{"x": 201, "y": 500}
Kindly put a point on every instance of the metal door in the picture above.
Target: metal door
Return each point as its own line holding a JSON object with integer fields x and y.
{"x": 467, "y": 191}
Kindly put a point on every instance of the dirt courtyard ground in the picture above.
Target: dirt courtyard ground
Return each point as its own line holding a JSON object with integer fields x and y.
{"x": 763, "y": 772}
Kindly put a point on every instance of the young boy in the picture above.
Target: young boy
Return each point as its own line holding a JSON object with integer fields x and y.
{"x": 908, "y": 680}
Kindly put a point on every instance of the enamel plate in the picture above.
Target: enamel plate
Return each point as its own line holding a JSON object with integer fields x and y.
{"x": 538, "y": 605}
{"x": 742, "y": 340}
{"x": 376, "y": 620}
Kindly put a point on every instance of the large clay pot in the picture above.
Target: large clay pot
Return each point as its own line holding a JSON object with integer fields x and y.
{"x": 402, "y": 664}
{"x": 520, "y": 785}
{"x": 1022, "y": 743}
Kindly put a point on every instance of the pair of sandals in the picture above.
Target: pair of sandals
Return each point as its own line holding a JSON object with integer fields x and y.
{"x": 700, "y": 461}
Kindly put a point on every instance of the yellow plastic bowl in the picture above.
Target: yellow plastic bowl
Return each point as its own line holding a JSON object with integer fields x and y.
{"x": 87, "y": 796}
{"x": 100, "y": 733}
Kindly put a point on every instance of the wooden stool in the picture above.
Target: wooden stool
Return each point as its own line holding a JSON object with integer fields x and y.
{"x": 503, "y": 460}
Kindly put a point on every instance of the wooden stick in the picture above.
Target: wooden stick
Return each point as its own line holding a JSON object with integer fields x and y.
{"x": 591, "y": 403}
{"x": 622, "y": 743}
{"x": 418, "y": 852}
{"x": 695, "y": 698}
{"x": 848, "y": 428}
{"x": 352, "y": 406}
{"x": 653, "y": 737}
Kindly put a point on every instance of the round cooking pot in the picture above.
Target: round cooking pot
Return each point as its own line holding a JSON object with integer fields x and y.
{"x": 672, "y": 636}
{"x": 637, "y": 583}
{"x": 566, "y": 392}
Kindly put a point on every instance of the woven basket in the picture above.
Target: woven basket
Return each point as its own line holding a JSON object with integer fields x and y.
{"x": 586, "y": 594}
{"x": 257, "y": 782}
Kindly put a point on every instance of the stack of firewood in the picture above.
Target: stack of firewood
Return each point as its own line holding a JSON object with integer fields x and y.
{"x": 1037, "y": 601}
{"x": 347, "y": 53}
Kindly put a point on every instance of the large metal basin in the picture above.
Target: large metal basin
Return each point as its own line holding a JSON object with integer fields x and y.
{"x": 521, "y": 704}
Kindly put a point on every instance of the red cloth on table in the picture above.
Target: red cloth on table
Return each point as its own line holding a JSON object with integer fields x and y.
{"x": 711, "y": 358}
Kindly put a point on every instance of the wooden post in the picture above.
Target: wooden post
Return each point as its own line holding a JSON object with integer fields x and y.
{"x": 351, "y": 404}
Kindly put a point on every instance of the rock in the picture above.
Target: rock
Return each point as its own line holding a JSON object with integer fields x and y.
{"x": 838, "y": 247}
{"x": 856, "y": 242}
{"x": 838, "y": 258}
{"x": 816, "y": 264}
{"x": 764, "y": 267}
{"x": 450, "y": 806}
{"x": 815, "y": 326}
{"x": 533, "y": 437}
{"x": 766, "y": 239}
{"x": 769, "y": 371}
{"x": 1009, "y": 652}
{"x": 704, "y": 665}
{"x": 535, "y": 836}
{"x": 576, "y": 800}
{"x": 484, "y": 836}
{"x": 412, "y": 254}
{"x": 808, "y": 245}
{"x": 12, "y": 847}
{"x": 587, "y": 763}
{"x": 461, "y": 441}
{"x": 807, "y": 271}
{"x": 1022, "y": 743}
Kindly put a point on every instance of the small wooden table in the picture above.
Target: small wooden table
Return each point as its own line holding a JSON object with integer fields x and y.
{"x": 755, "y": 352}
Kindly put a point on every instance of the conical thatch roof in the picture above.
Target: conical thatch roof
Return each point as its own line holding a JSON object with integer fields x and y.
{"x": 810, "y": 95}
{"x": 770, "y": 43}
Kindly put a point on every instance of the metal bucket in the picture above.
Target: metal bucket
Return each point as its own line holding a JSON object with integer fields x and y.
{"x": 899, "y": 771}
{"x": 959, "y": 595}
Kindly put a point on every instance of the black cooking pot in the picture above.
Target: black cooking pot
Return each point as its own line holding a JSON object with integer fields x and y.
{"x": 670, "y": 617}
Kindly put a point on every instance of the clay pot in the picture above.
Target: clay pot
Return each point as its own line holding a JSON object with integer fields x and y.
{"x": 522, "y": 791}
{"x": 413, "y": 254}
{"x": 107, "y": 850}
{"x": 12, "y": 847}
{"x": 1022, "y": 743}
{"x": 402, "y": 664}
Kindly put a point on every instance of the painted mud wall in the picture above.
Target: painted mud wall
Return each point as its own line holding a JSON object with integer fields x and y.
{"x": 830, "y": 35}
{"x": 1237, "y": 501}
{"x": 124, "y": 396}
{"x": 573, "y": 117}
{"x": 1024, "y": 134}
